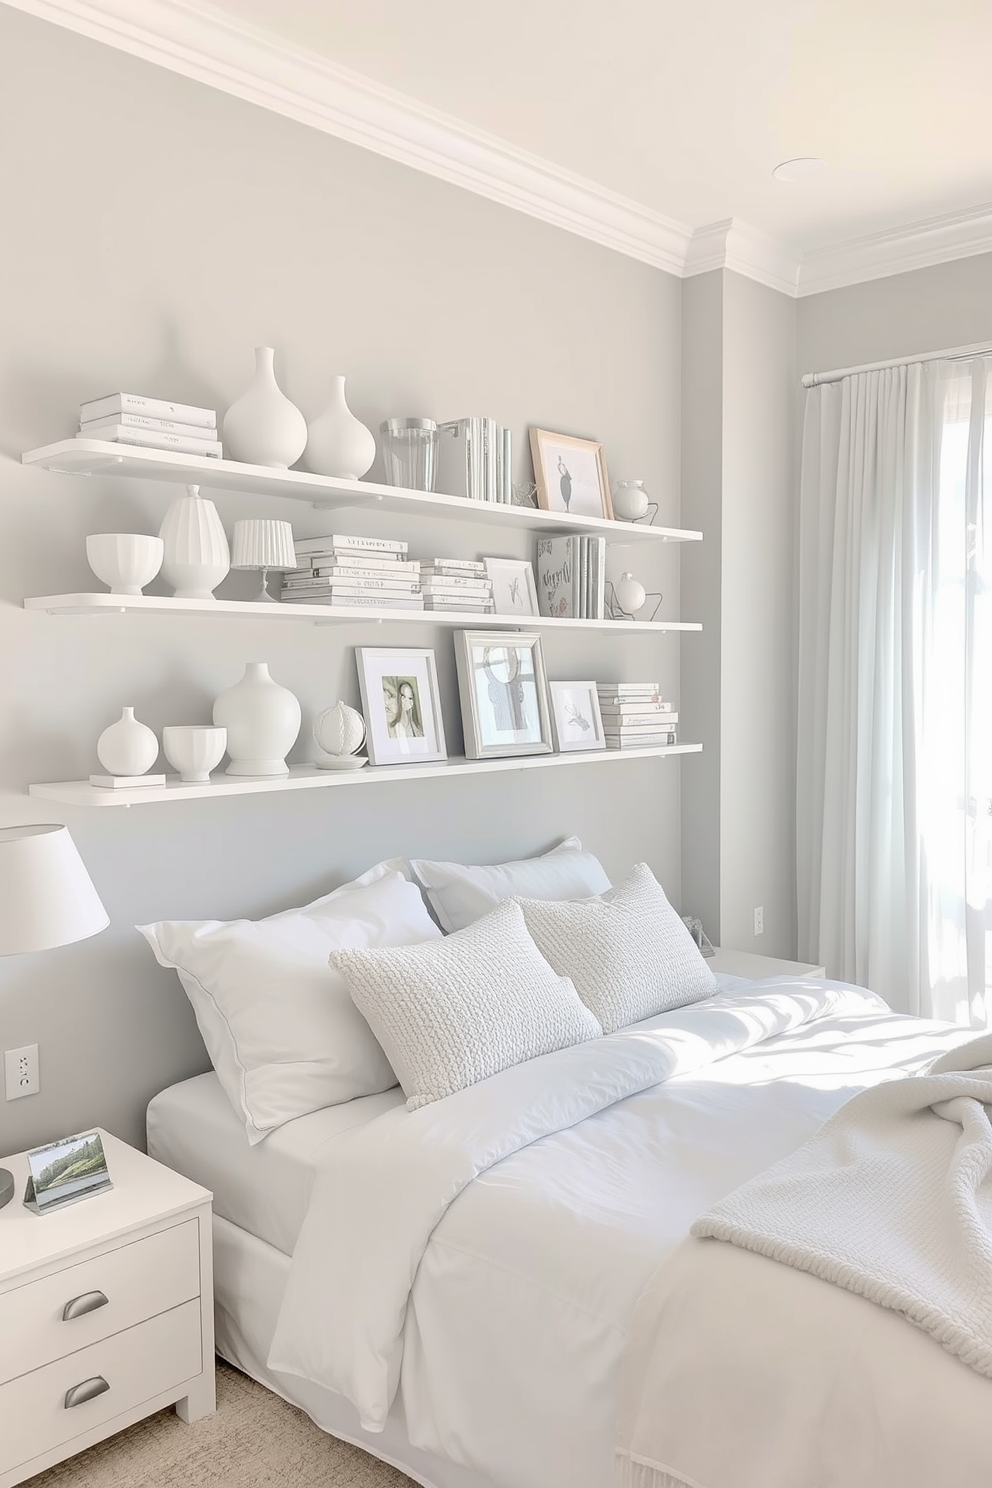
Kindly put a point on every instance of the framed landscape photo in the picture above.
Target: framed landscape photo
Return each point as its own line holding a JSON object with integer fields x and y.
{"x": 503, "y": 690}
{"x": 570, "y": 474}
{"x": 65, "y": 1171}
{"x": 514, "y": 588}
{"x": 575, "y": 712}
{"x": 401, "y": 704}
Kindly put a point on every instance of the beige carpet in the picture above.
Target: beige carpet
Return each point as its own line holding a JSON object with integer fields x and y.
{"x": 255, "y": 1440}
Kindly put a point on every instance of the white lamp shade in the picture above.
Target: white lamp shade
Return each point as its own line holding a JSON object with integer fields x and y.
{"x": 46, "y": 896}
{"x": 261, "y": 543}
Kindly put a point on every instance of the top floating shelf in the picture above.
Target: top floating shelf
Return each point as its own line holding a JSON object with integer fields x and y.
{"x": 98, "y": 457}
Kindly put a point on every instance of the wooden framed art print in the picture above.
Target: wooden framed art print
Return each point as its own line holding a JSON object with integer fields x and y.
{"x": 571, "y": 475}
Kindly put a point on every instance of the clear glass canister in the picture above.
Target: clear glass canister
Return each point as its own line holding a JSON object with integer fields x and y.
{"x": 409, "y": 452}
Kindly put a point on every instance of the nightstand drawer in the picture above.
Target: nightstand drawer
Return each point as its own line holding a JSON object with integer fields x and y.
{"x": 138, "y": 1281}
{"x": 116, "y": 1374}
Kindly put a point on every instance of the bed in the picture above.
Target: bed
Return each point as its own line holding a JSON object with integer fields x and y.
{"x": 453, "y": 1288}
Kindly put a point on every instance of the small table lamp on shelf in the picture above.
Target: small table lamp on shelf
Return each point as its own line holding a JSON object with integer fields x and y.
{"x": 264, "y": 544}
{"x": 47, "y": 899}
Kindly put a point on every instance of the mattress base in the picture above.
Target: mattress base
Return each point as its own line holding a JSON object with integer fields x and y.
{"x": 249, "y": 1280}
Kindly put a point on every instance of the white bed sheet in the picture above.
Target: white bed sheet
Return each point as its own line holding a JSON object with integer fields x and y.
{"x": 264, "y": 1189}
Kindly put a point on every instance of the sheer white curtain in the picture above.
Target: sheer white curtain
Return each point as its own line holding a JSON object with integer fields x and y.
{"x": 894, "y": 767}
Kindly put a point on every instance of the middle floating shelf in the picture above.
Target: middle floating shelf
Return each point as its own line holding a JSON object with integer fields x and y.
{"x": 151, "y": 604}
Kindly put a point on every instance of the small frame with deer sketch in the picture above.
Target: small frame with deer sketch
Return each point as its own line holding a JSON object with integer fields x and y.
{"x": 575, "y": 714}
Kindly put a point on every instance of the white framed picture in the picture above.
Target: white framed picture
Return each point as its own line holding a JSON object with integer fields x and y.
{"x": 503, "y": 689}
{"x": 514, "y": 587}
{"x": 577, "y": 720}
{"x": 401, "y": 704}
{"x": 570, "y": 474}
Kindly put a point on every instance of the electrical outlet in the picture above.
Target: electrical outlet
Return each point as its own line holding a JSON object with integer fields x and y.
{"x": 759, "y": 920}
{"x": 21, "y": 1071}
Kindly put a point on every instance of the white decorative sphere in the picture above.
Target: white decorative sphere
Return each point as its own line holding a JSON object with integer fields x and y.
{"x": 630, "y": 594}
{"x": 339, "y": 730}
{"x": 630, "y": 500}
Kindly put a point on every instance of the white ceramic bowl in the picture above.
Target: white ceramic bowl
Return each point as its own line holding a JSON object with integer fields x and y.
{"x": 194, "y": 750}
{"x": 124, "y": 560}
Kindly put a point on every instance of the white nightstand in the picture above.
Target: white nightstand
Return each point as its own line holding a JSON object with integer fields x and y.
{"x": 747, "y": 964}
{"x": 106, "y": 1311}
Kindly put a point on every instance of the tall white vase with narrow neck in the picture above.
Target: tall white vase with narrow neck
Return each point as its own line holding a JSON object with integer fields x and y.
{"x": 338, "y": 443}
{"x": 263, "y": 427}
{"x": 196, "y": 555}
{"x": 262, "y": 721}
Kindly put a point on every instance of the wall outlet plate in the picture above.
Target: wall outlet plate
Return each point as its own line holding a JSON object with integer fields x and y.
{"x": 21, "y": 1074}
{"x": 759, "y": 920}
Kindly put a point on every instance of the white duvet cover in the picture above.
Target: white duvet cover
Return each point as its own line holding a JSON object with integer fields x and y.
{"x": 496, "y": 1243}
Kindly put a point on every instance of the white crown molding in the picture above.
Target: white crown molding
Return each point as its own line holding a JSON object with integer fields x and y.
{"x": 899, "y": 250}
{"x": 210, "y": 46}
{"x": 733, "y": 244}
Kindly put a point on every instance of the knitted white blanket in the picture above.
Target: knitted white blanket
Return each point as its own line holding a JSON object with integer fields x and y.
{"x": 892, "y": 1200}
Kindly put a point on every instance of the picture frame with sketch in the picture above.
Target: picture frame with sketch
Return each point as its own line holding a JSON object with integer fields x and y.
{"x": 575, "y": 711}
{"x": 571, "y": 475}
{"x": 503, "y": 689}
{"x": 401, "y": 704}
{"x": 514, "y": 586}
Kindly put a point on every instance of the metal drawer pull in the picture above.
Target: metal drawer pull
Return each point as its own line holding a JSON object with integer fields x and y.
{"x": 85, "y": 1302}
{"x": 88, "y": 1390}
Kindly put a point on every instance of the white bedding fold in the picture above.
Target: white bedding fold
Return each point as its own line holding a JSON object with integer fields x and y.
{"x": 341, "y": 1323}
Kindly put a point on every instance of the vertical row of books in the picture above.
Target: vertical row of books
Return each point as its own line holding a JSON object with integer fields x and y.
{"x": 473, "y": 460}
{"x": 354, "y": 572}
{"x": 635, "y": 714}
{"x": 571, "y": 577}
{"x": 151, "y": 423}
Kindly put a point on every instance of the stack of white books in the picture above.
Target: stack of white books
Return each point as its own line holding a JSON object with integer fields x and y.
{"x": 128, "y": 418}
{"x": 456, "y": 584}
{"x": 635, "y": 714}
{"x": 359, "y": 572}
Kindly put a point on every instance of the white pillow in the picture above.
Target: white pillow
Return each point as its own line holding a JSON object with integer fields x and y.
{"x": 463, "y": 1008}
{"x": 627, "y": 952}
{"x": 459, "y": 893}
{"x": 281, "y": 1030}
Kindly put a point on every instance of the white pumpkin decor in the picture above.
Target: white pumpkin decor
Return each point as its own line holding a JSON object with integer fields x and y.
{"x": 340, "y": 732}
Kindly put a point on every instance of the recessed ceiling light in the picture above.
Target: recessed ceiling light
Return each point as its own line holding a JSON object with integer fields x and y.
{"x": 802, "y": 169}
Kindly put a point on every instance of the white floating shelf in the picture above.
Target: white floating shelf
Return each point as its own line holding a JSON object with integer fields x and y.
{"x": 98, "y": 457}
{"x": 309, "y": 777}
{"x": 150, "y": 604}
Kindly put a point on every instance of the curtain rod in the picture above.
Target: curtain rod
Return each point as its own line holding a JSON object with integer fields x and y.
{"x": 953, "y": 354}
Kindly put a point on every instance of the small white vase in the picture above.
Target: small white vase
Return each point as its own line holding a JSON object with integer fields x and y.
{"x": 193, "y": 750}
{"x": 127, "y": 747}
{"x": 263, "y": 427}
{"x": 630, "y": 500}
{"x": 196, "y": 556}
{"x": 338, "y": 443}
{"x": 262, "y": 721}
{"x": 124, "y": 560}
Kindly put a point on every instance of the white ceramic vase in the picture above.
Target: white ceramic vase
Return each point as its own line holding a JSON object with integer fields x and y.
{"x": 263, "y": 427}
{"x": 338, "y": 443}
{"x": 126, "y": 561}
{"x": 262, "y": 721}
{"x": 340, "y": 732}
{"x": 196, "y": 556}
{"x": 193, "y": 750}
{"x": 630, "y": 500}
{"x": 127, "y": 747}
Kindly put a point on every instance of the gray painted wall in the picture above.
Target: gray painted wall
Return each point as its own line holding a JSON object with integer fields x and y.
{"x": 156, "y": 232}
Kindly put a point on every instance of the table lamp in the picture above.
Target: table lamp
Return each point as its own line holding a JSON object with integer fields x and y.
{"x": 262, "y": 543}
{"x": 47, "y": 899}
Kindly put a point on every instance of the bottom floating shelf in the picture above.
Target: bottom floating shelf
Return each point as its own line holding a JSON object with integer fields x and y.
{"x": 309, "y": 777}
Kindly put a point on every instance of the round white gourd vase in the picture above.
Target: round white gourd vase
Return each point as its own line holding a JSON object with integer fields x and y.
{"x": 193, "y": 750}
{"x": 127, "y": 747}
{"x": 630, "y": 500}
{"x": 338, "y": 443}
{"x": 630, "y": 594}
{"x": 263, "y": 427}
{"x": 196, "y": 555}
{"x": 340, "y": 732}
{"x": 262, "y": 721}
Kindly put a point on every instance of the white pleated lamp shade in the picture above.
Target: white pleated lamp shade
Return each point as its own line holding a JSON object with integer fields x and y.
{"x": 261, "y": 543}
{"x": 47, "y": 897}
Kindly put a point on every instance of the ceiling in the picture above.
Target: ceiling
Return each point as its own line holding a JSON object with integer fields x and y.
{"x": 687, "y": 108}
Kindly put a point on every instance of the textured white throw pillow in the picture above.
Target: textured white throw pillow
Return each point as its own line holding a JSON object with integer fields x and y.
{"x": 626, "y": 952}
{"x": 280, "y": 1027}
{"x": 463, "y": 1008}
{"x": 459, "y": 893}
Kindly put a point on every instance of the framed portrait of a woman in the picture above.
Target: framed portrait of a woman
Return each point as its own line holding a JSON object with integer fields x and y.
{"x": 401, "y": 705}
{"x": 570, "y": 475}
{"x": 503, "y": 689}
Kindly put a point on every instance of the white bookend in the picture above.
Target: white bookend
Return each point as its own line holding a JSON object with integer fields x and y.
{"x": 114, "y": 403}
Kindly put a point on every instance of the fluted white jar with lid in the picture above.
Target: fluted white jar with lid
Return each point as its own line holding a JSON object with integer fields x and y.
{"x": 196, "y": 553}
